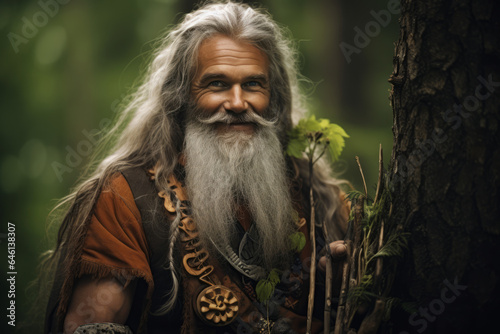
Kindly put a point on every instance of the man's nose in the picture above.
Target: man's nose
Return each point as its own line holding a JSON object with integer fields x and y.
{"x": 236, "y": 100}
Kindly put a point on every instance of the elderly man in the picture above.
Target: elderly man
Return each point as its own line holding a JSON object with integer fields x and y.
{"x": 196, "y": 202}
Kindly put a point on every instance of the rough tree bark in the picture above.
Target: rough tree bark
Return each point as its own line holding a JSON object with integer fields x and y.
{"x": 445, "y": 168}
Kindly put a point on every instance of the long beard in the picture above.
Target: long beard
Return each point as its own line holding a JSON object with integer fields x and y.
{"x": 224, "y": 171}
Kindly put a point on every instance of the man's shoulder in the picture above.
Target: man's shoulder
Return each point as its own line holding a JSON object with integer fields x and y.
{"x": 125, "y": 190}
{"x": 139, "y": 185}
{"x": 129, "y": 180}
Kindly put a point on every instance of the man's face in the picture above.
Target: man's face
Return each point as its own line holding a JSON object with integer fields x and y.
{"x": 233, "y": 156}
{"x": 232, "y": 77}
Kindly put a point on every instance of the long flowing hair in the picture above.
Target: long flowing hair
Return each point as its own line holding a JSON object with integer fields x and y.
{"x": 150, "y": 129}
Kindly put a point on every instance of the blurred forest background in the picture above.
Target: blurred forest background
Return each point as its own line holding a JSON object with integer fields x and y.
{"x": 65, "y": 70}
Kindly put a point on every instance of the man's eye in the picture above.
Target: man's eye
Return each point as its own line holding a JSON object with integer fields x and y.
{"x": 252, "y": 84}
{"x": 216, "y": 83}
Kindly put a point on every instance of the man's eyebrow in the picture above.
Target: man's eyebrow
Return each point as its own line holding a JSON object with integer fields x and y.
{"x": 211, "y": 76}
{"x": 214, "y": 76}
{"x": 258, "y": 77}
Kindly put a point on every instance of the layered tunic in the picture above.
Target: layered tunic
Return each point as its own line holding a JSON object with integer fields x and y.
{"x": 127, "y": 237}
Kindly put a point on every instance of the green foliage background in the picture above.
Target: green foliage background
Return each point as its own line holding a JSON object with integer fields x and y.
{"x": 71, "y": 75}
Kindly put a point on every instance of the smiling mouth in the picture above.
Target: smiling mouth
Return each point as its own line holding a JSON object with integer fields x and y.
{"x": 247, "y": 127}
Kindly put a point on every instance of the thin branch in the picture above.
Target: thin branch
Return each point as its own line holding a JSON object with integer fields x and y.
{"x": 344, "y": 288}
{"x": 328, "y": 291}
{"x": 378, "y": 265}
{"x": 319, "y": 156}
{"x": 380, "y": 182}
{"x": 328, "y": 281}
{"x": 267, "y": 316}
{"x": 312, "y": 236}
{"x": 310, "y": 154}
{"x": 354, "y": 275}
{"x": 362, "y": 175}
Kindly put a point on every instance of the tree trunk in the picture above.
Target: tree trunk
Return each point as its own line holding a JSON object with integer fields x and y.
{"x": 444, "y": 175}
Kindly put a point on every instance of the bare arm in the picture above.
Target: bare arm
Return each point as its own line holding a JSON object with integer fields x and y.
{"x": 98, "y": 300}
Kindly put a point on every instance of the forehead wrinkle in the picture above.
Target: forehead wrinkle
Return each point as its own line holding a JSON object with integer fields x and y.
{"x": 223, "y": 55}
{"x": 228, "y": 48}
{"x": 220, "y": 53}
{"x": 217, "y": 64}
{"x": 232, "y": 57}
{"x": 224, "y": 45}
{"x": 222, "y": 65}
{"x": 228, "y": 60}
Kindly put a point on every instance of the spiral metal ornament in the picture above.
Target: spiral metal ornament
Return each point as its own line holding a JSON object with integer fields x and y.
{"x": 217, "y": 305}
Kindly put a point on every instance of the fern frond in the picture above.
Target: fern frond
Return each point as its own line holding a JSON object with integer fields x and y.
{"x": 394, "y": 247}
{"x": 354, "y": 195}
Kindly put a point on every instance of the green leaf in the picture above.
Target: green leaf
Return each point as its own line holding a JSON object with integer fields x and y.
{"x": 265, "y": 287}
{"x": 297, "y": 241}
{"x": 296, "y": 147}
{"x": 335, "y": 135}
{"x": 321, "y": 132}
{"x": 312, "y": 125}
{"x": 264, "y": 290}
{"x": 274, "y": 276}
{"x": 324, "y": 123}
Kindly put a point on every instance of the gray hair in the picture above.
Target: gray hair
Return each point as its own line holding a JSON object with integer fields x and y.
{"x": 157, "y": 109}
{"x": 150, "y": 131}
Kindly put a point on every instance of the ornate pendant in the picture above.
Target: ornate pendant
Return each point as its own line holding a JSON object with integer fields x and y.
{"x": 217, "y": 305}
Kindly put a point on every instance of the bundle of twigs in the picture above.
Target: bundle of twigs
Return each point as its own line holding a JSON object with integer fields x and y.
{"x": 364, "y": 284}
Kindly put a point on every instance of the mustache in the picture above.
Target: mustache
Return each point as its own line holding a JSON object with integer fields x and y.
{"x": 247, "y": 116}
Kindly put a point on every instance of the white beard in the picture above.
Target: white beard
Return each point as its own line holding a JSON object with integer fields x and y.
{"x": 226, "y": 170}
